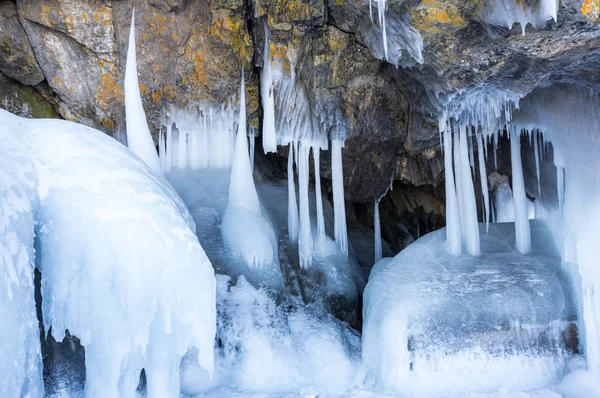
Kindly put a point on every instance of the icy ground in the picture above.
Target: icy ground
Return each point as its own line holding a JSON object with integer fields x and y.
{"x": 271, "y": 345}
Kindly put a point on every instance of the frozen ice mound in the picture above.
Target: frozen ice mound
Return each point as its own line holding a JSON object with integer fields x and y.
{"x": 469, "y": 323}
{"x": 121, "y": 266}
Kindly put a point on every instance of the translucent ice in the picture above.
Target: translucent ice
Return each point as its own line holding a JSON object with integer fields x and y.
{"x": 121, "y": 266}
{"x": 139, "y": 138}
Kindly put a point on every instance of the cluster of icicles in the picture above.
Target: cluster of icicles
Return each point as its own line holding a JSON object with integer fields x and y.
{"x": 205, "y": 137}
{"x": 459, "y": 139}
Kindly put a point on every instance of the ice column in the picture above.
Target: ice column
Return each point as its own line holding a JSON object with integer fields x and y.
{"x": 292, "y": 204}
{"x": 483, "y": 179}
{"x": 182, "y": 162}
{"x": 377, "y": 232}
{"x": 139, "y": 139}
{"x": 305, "y": 239}
{"x": 453, "y": 234}
{"x": 339, "y": 207}
{"x": 522, "y": 232}
{"x": 169, "y": 148}
{"x": 469, "y": 213}
{"x": 268, "y": 100}
{"x": 318, "y": 196}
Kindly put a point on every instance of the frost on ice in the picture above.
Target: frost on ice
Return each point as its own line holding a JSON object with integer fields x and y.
{"x": 471, "y": 324}
{"x": 121, "y": 266}
{"x": 21, "y": 364}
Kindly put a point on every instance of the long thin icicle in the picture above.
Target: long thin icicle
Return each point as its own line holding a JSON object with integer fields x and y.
{"x": 483, "y": 179}
{"x": 469, "y": 214}
{"x": 377, "y": 222}
{"x": 339, "y": 206}
{"x": 522, "y": 230}
{"x": 536, "y": 152}
{"x": 318, "y": 196}
{"x": 139, "y": 139}
{"x": 268, "y": 100}
{"x": 292, "y": 204}
{"x": 453, "y": 234}
{"x": 305, "y": 243}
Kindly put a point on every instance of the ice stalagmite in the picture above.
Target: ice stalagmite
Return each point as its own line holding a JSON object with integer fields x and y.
{"x": 318, "y": 196}
{"x": 469, "y": 214}
{"x": 522, "y": 231}
{"x": 139, "y": 139}
{"x": 246, "y": 233}
{"x": 305, "y": 244}
{"x": 483, "y": 179}
{"x": 268, "y": 99}
{"x": 453, "y": 234}
{"x": 292, "y": 204}
{"x": 339, "y": 206}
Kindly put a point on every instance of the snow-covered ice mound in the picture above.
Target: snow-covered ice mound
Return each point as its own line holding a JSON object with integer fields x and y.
{"x": 121, "y": 266}
{"x": 436, "y": 323}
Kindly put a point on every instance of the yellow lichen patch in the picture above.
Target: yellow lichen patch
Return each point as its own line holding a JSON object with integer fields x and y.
{"x": 108, "y": 91}
{"x": 229, "y": 28}
{"x": 591, "y": 8}
{"x": 169, "y": 92}
{"x": 144, "y": 90}
{"x": 436, "y": 16}
{"x": 157, "y": 97}
{"x": 108, "y": 124}
{"x": 291, "y": 10}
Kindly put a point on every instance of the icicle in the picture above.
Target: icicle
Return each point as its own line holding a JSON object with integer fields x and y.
{"x": 169, "y": 145}
{"x": 471, "y": 155}
{"x": 522, "y": 231}
{"x": 268, "y": 100}
{"x": 252, "y": 140}
{"x": 536, "y": 152}
{"x": 469, "y": 206}
{"x": 496, "y": 151}
{"x": 319, "y": 198}
{"x": 182, "y": 150}
{"x": 453, "y": 235}
{"x": 139, "y": 139}
{"x": 484, "y": 184}
{"x": 377, "y": 232}
{"x": 371, "y": 10}
{"x": 560, "y": 184}
{"x": 305, "y": 243}
{"x": 339, "y": 206}
{"x": 381, "y": 11}
{"x": 458, "y": 175}
{"x": 292, "y": 205}
{"x": 192, "y": 153}
{"x": 377, "y": 222}
{"x": 204, "y": 145}
{"x": 161, "y": 149}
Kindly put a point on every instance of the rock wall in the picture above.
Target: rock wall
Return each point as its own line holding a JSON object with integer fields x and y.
{"x": 66, "y": 58}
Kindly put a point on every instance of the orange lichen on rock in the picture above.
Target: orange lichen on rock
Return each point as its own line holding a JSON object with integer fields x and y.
{"x": 436, "y": 16}
{"x": 591, "y": 8}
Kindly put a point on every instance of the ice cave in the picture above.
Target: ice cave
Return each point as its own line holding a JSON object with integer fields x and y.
{"x": 301, "y": 198}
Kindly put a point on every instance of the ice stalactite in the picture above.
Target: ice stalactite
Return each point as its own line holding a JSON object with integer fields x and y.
{"x": 252, "y": 141}
{"x": 339, "y": 206}
{"x": 139, "y": 139}
{"x": 244, "y": 229}
{"x": 305, "y": 243}
{"x": 508, "y": 12}
{"x": 268, "y": 99}
{"x": 560, "y": 186}
{"x": 483, "y": 179}
{"x": 161, "y": 150}
{"x": 469, "y": 206}
{"x": 182, "y": 152}
{"x": 169, "y": 148}
{"x": 199, "y": 137}
{"x": 536, "y": 152}
{"x": 381, "y": 6}
{"x": 318, "y": 196}
{"x": 292, "y": 203}
{"x": 377, "y": 223}
{"x": 522, "y": 230}
{"x": 453, "y": 230}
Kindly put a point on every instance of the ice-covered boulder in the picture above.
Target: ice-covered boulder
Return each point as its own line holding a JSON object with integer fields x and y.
{"x": 469, "y": 323}
{"x": 121, "y": 266}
